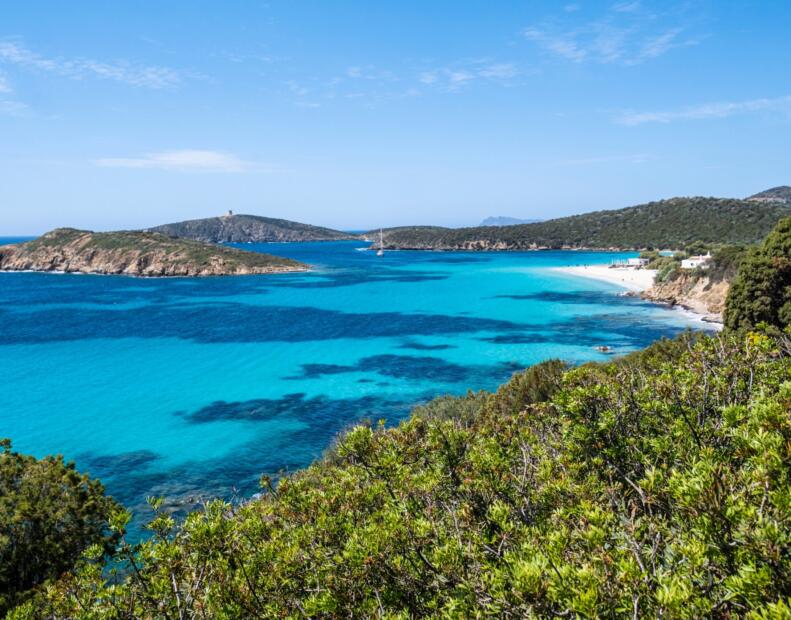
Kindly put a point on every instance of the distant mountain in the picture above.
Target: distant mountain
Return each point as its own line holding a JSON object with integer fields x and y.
{"x": 248, "y": 228}
{"x": 502, "y": 220}
{"x": 673, "y": 223}
{"x": 136, "y": 253}
{"x": 781, "y": 194}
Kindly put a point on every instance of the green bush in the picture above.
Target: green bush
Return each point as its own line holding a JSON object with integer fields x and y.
{"x": 652, "y": 486}
{"x": 667, "y": 271}
{"x": 49, "y": 515}
{"x": 761, "y": 292}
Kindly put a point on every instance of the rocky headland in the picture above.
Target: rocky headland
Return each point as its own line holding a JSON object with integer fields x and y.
{"x": 697, "y": 293}
{"x": 136, "y": 254}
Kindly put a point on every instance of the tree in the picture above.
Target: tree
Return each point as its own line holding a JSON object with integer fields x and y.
{"x": 49, "y": 514}
{"x": 761, "y": 292}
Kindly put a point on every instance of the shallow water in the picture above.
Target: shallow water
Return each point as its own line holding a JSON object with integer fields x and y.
{"x": 196, "y": 387}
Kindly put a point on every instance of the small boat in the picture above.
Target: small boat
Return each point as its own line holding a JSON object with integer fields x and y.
{"x": 381, "y": 251}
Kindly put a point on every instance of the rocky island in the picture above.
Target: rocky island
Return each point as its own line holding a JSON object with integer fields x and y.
{"x": 232, "y": 228}
{"x": 136, "y": 254}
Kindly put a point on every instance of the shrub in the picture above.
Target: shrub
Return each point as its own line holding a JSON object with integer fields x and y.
{"x": 654, "y": 486}
{"x": 761, "y": 292}
{"x": 49, "y": 515}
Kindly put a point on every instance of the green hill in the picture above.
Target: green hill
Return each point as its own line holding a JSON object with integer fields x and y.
{"x": 674, "y": 223}
{"x": 781, "y": 193}
{"x": 248, "y": 228}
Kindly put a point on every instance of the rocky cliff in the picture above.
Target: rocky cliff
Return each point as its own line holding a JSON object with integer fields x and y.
{"x": 694, "y": 292}
{"x": 248, "y": 228}
{"x": 136, "y": 254}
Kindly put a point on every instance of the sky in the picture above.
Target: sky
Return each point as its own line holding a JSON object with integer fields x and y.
{"x": 358, "y": 114}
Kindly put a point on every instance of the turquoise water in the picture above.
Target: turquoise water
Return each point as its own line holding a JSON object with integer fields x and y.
{"x": 189, "y": 388}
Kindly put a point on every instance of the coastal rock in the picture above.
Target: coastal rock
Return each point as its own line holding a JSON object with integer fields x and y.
{"x": 695, "y": 293}
{"x": 136, "y": 254}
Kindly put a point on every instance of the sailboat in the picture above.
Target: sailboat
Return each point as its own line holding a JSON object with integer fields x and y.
{"x": 381, "y": 251}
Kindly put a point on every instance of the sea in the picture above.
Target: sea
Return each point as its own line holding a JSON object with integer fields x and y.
{"x": 193, "y": 388}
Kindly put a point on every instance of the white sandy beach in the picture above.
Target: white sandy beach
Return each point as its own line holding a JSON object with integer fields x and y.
{"x": 633, "y": 279}
{"x": 636, "y": 280}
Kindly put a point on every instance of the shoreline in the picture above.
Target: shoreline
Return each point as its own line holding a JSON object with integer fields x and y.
{"x": 635, "y": 281}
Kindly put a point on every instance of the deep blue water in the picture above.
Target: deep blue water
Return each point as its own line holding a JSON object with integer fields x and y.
{"x": 190, "y": 388}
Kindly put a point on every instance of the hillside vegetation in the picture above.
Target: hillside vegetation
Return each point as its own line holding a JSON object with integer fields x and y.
{"x": 674, "y": 223}
{"x": 135, "y": 253}
{"x": 781, "y": 193}
{"x": 248, "y": 228}
{"x": 761, "y": 292}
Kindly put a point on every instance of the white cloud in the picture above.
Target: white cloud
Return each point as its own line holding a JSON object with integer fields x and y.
{"x": 627, "y": 7}
{"x": 563, "y": 45}
{"x": 13, "y": 108}
{"x": 185, "y": 161}
{"x": 721, "y": 109}
{"x": 455, "y": 77}
{"x": 5, "y": 87}
{"x": 501, "y": 71}
{"x": 80, "y": 68}
{"x": 626, "y": 34}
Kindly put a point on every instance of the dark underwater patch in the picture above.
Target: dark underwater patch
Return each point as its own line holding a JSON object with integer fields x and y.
{"x": 614, "y": 329}
{"x": 419, "y": 346}
{"x": 231, "y": 322}
{"x": 576, "y": 297}
{"x": 414, "y": 368}
{"x": 100, "y": 465}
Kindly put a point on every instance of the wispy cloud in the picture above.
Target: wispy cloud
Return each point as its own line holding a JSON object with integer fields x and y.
{"x": 5, "y": 87}
{"x": 453, "y": 78}
{"x": 15, "y": 53}
{"x": 370, "y": 85}
{"x": 627, "y": 7}
{"x": 639, "y": 158}
{"x": 722, "y": 109}
{"x": 185, "y": 161}
{"x": 627, "y": 34}
{"x": 13, "y": 108}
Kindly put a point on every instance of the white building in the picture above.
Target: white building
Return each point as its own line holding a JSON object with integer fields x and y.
{"x": 636, "y": 262}
{"x": 693, "y": 262}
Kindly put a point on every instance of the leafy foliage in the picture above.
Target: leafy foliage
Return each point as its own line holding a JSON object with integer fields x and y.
{"x": 676, "y": 223}
{"x": 761, "y": 293}
{"x": 652, "y": 486}
{"x": 49, "y": 515}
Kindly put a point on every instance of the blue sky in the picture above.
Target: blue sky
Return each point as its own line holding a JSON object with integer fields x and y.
{"x": 363, "y": 114}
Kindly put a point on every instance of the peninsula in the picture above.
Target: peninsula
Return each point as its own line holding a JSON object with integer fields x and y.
{"x": 136, "y": 254}
{"x": 232, "y": 228}
{"x": 673, "y": 223}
